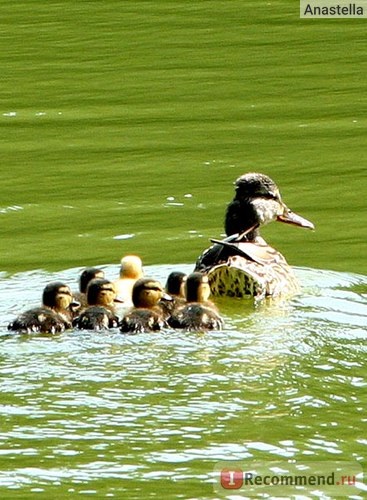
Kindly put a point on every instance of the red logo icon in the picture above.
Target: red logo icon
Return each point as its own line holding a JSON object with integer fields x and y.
{"x": 231, "y": 479}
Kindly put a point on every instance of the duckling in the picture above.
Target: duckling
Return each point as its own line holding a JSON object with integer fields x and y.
{"x": 243, "y": 264}
{"x": 175, "y": 288}
{"x": 131, "y": 269}
{"x": 55, "y": 314}
{"x": 100, "y": 313}
{"x": 175, "y": 284}
{"x": 86, "y": 276}
{"x": 146, "y": 315}
{"x": 199, "y": 313}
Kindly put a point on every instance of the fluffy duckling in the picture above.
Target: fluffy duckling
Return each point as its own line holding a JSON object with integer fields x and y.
{"x": 100, "y": 313}
{"x": 131, "y": 269}
{"x": 175, "y": 284}
{"x": 85, "y": 278}
{"x": 199, "y": 313}
{"x": 147, "y": 315}
{"x": 55, "y": 314}
{"x": 175, "y": 287}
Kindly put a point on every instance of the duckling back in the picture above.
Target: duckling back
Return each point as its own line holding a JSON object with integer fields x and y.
{"x": 39, "y": 320}
{"x": 96, "y": 318}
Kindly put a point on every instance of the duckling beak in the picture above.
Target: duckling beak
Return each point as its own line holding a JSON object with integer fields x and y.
{"x": 290, "y": 217}
{"x": 167, "y": 297}
{"x": 119, "y": 300}
{"x": 74, "y": 305}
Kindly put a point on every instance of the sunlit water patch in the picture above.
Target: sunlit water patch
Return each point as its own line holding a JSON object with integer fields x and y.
{"x": 109, "y": 415}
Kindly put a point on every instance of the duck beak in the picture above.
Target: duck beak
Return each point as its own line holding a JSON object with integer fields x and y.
{"x": 290, "y": 217}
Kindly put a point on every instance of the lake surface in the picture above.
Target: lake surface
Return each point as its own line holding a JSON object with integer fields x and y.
{"x": 123, "y": 127}
{"x": 146, "y": 415}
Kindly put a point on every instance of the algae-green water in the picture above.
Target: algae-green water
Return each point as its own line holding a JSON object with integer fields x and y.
{"x": 123, "y": 127}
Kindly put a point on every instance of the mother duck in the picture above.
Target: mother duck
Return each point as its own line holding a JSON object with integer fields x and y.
{"x": 243, "y": 264}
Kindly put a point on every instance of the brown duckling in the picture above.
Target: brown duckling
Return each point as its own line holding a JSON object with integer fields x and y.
{"x": 100, "y": 313}
{"x": 86, "y": 276}
{"x": 146, "y": 315}
{"x": 175, "y": 287}
{"x": 55, "y": 314}
{"x": 199, "y": 313}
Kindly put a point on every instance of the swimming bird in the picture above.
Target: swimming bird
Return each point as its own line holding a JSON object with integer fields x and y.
{"x": 86, "y": 276}
{"x": 100, "y": 313}
{"x": 199, "y": 313}
{"x": 131, "y": 269}
{"x": 175, "y": 284}
{"x": 243, "y": 264}
{"x": 55, "y": 315}
{"x": 146, "y": 315}
{"x": 175, "y": 288}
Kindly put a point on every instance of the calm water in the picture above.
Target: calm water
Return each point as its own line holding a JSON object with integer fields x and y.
{"x": 123, "y": 126}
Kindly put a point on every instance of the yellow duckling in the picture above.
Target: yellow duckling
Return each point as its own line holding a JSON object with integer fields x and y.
{"x": 131, "y": 269}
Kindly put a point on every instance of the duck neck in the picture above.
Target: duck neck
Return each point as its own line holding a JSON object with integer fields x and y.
{"x": 241, "y": 217}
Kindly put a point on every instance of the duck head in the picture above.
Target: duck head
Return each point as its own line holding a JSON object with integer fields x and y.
{"x": 257, "y": 201}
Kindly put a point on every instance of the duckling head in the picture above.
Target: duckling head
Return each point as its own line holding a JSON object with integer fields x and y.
{"x": 257, "y": 202}
{"x": 197, "y": 287}
{"x": 101, "y": 292}
{"x": 175, "y": 284}
{"x": 57, "y": 296}
{"x": 88, "y": 275}
{"x": 147, "y": 293}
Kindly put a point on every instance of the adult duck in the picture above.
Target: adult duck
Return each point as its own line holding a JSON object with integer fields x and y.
{"x": 243, "y": 264}
{"x": 54, "y": 316}
{"x": 198, "y": 313}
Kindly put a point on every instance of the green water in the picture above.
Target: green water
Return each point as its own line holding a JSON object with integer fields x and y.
{"x": 123, "y": 127}
{"x": 108, "y": 108}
